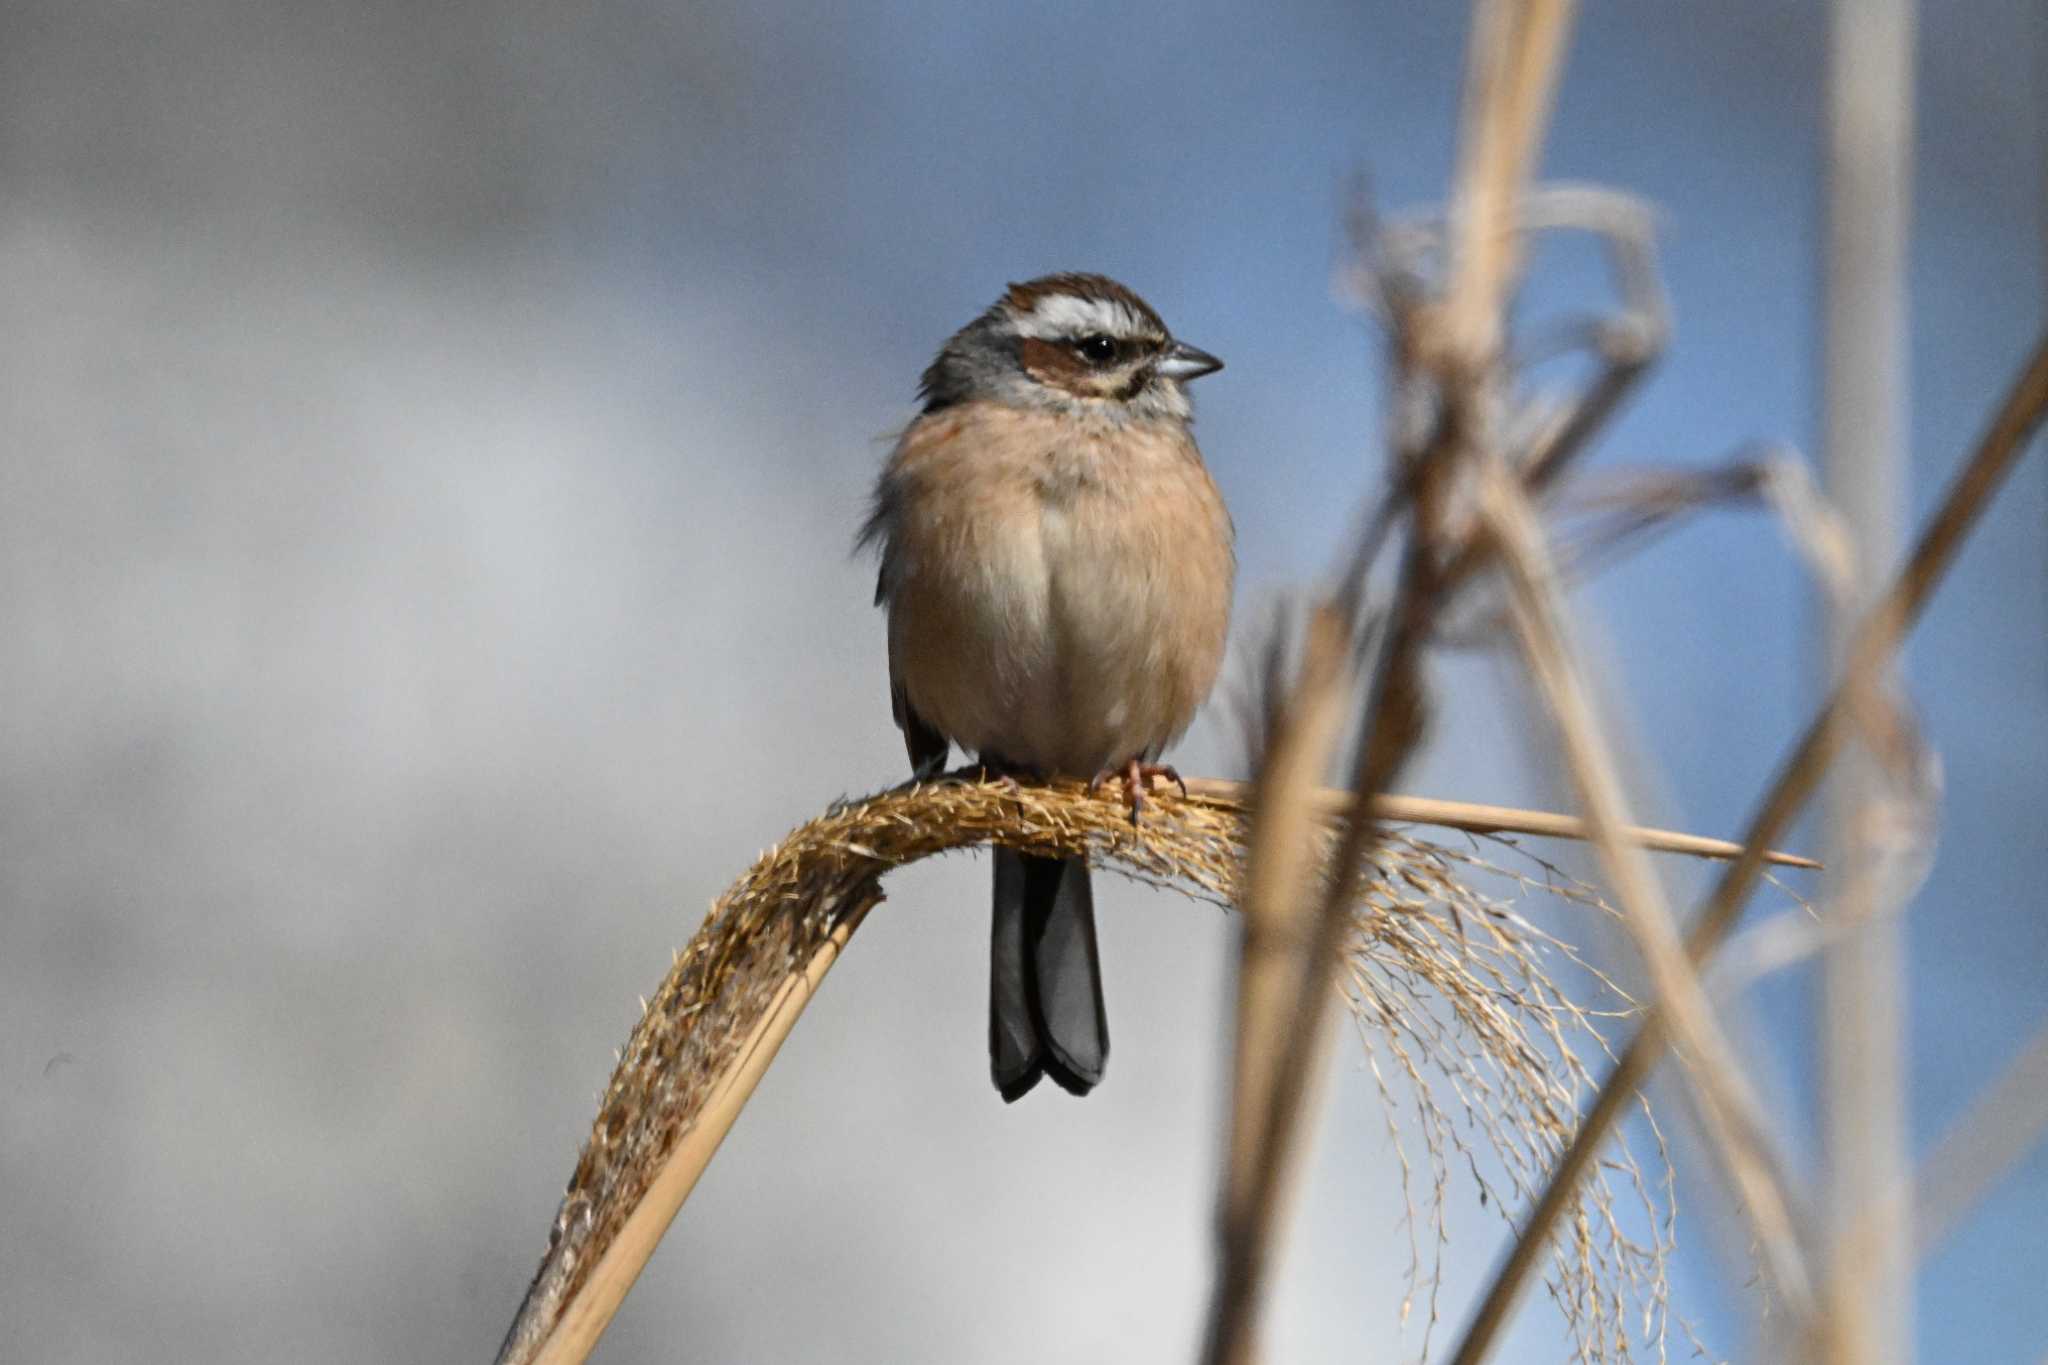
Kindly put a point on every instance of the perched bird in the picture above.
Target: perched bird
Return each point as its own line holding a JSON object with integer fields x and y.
{"x": 1057, "y": 568}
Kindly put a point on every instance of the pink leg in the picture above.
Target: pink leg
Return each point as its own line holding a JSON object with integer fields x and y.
{"x": 1137, "y": 778}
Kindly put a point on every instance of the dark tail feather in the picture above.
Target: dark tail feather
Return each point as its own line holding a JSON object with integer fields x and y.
{"x": 1045, "y": 1015}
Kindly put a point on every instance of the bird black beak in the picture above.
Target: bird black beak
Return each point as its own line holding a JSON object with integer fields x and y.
{"x": 1185, "y": 362}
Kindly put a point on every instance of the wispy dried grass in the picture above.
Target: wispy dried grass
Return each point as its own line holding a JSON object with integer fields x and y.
{"x": 1488, "y": 1069}
{"x": 1973, "y": 489}
{"x": 1446, "y": 981}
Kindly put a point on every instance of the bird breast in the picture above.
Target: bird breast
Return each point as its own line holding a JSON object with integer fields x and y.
{"x": 1058, "y": 590}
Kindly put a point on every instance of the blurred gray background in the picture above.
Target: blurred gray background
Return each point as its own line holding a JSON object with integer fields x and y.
{"x": 430, "y": 446}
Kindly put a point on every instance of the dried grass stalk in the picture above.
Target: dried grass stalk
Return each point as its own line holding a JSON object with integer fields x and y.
{"x": 1734, "y": 1116}
{"x": 1973, "y": 490}
{"x": 1451, "y": 980}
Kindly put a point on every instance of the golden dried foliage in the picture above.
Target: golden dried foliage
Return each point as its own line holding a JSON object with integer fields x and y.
{"x": 1452, "y": 988}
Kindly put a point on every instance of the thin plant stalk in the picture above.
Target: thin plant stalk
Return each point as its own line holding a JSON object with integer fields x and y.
{"x": 1733, "y": 1114}
{"x": 1515, "y": 53}
{"x": 1867, "y": 1294}
{"x": 734, "y": 992}
{"x": 1963, "y": 503}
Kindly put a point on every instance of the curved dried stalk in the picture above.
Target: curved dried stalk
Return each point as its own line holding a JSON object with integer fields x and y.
{"x": 1424, "y": 942}
{"x": 1973, "y": 489}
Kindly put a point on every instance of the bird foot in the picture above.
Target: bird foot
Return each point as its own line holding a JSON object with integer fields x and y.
{"x": 1137, "y": 779}
{"x": 1004, "y": 773}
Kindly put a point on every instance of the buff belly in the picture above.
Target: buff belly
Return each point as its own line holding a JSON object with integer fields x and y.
{"x": 1079, "y": 628}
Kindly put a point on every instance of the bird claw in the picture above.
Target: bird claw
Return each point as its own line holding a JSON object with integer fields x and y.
{"x": 1137, "y": 779}
{"x": 1004, "y": 774}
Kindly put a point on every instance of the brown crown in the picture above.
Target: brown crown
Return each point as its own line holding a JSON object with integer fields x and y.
{"x": 1024, "y": 297}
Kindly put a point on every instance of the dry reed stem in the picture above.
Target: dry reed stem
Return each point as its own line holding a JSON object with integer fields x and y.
{"x": 1865, "y": 1310}
{"x": 1513, "y": 66}
{"x": 1510, "y": 78}
{"x": 1284, "y": 1009}
{"x": 1277, "y": 983}
{"x": 1733, "y": 1113}
{"x": 1284, "y": 1005}
{"x": 1289, "y": 823}
{"x": 1972, "y": 491}
{"x": 1474, "y": 817}
{"x": 2000, "y": 1127}
{"x": 582, "y": 1317}
{"x": 1425, "y": 946}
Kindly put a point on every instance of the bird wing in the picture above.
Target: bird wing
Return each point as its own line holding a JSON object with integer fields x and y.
{"x": 927, "y": 747}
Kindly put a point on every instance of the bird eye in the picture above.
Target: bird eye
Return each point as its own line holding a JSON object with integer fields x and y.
{"x": 1096, "y": 349}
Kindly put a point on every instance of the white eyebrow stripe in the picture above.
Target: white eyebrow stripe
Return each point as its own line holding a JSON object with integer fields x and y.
{"x": 1061, "y": 316}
